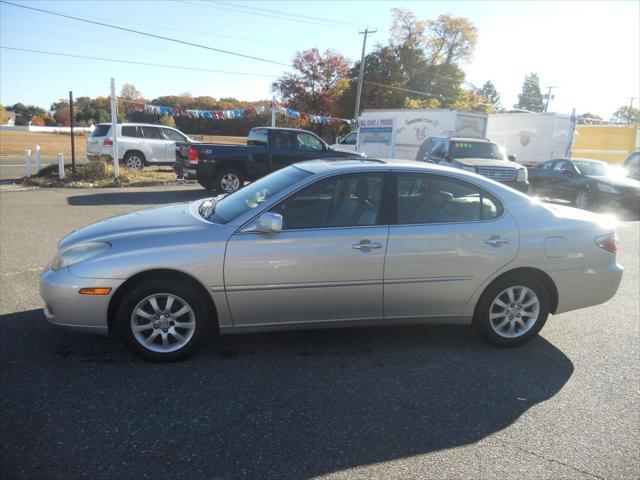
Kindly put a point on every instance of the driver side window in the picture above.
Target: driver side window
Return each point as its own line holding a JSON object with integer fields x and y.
{"x": 343, "y": 201}
{"x": 309, "y": 143}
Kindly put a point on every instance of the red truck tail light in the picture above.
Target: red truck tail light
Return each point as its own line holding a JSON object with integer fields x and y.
{"x": 107, "y": 142}
{"x": 608, "y": 242}
{"x": 193, "y": 156}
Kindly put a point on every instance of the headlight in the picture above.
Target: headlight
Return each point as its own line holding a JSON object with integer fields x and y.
{"x": 606, "y": 188}
{"x": 523, "y": 175}
{"x": 78, "y": 253}
{"x": 469, "y": 168}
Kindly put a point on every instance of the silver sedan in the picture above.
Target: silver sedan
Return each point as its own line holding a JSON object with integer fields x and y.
{"x": 333, "y": 244}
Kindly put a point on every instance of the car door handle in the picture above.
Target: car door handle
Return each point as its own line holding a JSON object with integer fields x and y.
{"x": 365, "y": 245}
{"x": 496, "y": 241}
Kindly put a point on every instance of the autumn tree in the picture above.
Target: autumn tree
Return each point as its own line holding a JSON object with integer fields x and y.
{"x": 130, "y": 92}
{"x": 530, "y": 98}
{"x": 4, "y": 115}
{"x": 450, "y": 40}
{"x": 316, "y": 82}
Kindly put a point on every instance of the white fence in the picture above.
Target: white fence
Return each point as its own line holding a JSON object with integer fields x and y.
{"x": 34, "y": 128}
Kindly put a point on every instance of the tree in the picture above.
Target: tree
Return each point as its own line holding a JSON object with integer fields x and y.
{"x": 167, "y": 121}
{"x": 490, "y": 94}
{"x": 37, "y": 121}
{"x": 530, "y": 98}
{"x": 24, "y": 113}
{"x": 318, "y": 80}
{"x": 130, "y": 92}
{"x": 450, "y": 39}
{"x": 4, "y": 115}
{"x": 626, "y": 114}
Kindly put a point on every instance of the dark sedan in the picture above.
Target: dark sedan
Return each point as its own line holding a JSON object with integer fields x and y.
{"x": 586, "y": 183}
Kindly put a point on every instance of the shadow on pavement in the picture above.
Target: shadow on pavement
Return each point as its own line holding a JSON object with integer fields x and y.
{"x": 148, "y": 197}
{"x": 281, "y": 405}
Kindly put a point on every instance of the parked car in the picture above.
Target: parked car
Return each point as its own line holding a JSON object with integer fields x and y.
{"x": 139, "y": 144}
{"x": 333, "y": 244}
{"x": 347, "y": 143}
{"x": 226, "y": 167}
{"x": 632, "y": 165}
{"x": 586, "y": 183}
{"x": 477, "y": 155}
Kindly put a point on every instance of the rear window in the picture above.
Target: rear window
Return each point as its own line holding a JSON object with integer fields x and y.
{"x": 258, "y": 137}
{"x": 101, "y": 130}
{"x": 129, "y": 132}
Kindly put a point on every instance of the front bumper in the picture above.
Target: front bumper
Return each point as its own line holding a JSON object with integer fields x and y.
{"x": 66, "y": 307}
{"x": 586, "y": 286}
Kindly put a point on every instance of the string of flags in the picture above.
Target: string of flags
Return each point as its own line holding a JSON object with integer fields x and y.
{"x": 236, "y": 113}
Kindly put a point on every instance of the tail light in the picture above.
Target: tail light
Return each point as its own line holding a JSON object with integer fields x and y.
{"x": 608, "y": 242}
{"x": 107, "y": 142}
{"x": 192, "y": 155}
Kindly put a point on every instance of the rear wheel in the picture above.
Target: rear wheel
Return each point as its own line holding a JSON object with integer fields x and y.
{"x": 163, "y": 320}
{"x": 512, "y": 310}
{"x": 229, "y": 180}
{"x": 134, "y": 160}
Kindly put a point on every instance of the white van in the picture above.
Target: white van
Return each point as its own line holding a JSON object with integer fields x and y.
{"x": 139, "y": 144}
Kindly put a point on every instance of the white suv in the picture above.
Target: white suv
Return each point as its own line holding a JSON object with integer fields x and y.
{"x": 139, "y": 144}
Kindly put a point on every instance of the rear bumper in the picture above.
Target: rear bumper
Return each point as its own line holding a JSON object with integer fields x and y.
{"x": 585, "y": 287}
{"x": 65, "y": 307}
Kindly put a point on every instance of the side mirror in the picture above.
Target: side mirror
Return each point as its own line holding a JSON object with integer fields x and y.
{"x": 511, "y": 158}
{"x": 339, "y": 139}
{"x": 268, "y": 223}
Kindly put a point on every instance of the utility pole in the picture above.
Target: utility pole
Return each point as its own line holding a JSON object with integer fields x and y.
{"x": 548, "y": 98}
{"x": 631, "y": 99}
{"x": 73, "y": 143}
{"x": 361, "y": 73}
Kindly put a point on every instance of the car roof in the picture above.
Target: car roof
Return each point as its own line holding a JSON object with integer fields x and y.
{"x": 593, "y": 160}
{"x": 134, "y": 124}
{"x": 344, "y": 164}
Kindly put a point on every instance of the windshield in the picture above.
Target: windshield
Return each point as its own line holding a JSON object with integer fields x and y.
{"x": 596, "y": 169}
{"x": 251, "y": 196}
{"x": 476, "y": 150}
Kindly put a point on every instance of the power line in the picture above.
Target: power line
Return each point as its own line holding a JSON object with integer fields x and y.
{"x": 152, "y": 35}
{"x": 131, "y": 62}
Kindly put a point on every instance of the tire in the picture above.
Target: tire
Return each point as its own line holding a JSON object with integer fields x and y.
{"x": 209, "y": 184}
{"x": 584, "y": 199}
{"x": 511, "y": 326}
{"x": 137, "y": 309}
{"x": 229, "y": 180}
{"x": 134, "y": 160}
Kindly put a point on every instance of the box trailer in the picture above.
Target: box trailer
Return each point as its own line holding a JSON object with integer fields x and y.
{"x": 610, "y": 143}
{"x": 401, "y": 133}
{"x": 532, "y": 137}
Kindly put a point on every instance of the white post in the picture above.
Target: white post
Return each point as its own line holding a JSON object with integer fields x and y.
{"x": 273, "y": 111}
{"x": 114, "y": 126}
{"x": 37, "y": 159}
{"x": 61, "y": 166}
{"x": 27, "y": 163}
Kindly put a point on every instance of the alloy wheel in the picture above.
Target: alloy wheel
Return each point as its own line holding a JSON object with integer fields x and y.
{"x": 514, "y": 311}
{"x": 582, "y": 199}
{"x": 230, "y": 182}
{"x": 134, "y": 162}
{"x": 163, "y": 322}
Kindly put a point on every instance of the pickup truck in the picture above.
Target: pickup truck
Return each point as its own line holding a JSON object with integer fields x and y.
{"x": 226, "y": 167}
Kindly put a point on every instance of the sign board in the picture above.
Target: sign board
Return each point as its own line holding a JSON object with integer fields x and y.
{"x": 376, "y": 137}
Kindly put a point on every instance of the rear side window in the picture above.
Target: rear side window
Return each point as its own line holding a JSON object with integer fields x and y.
{"x": 101, "y": 131}
{"x": 283, "y": 141}
{"x": 152, "y": 133}
{"x": 129, "y": 131}
{"x": 258, "y": 137}
{"x": 438, "y": 199}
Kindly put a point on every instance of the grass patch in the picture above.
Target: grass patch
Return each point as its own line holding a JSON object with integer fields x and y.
{"x": 99, "y": 174}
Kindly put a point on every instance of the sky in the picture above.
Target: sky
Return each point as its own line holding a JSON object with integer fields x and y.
{"x": 588, "y": 51}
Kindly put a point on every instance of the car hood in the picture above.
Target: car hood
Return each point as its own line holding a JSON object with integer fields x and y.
{"x": 617, "y": 181}
{"x": 153, "y": 221}
{"x": 487, "y": 162}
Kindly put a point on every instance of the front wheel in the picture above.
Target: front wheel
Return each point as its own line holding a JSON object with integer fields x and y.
{"x": 162, "y": 320}
{"x": 512, "y": 310}
{"x": 229, "y": 180}
{"x": 583, "y": 199}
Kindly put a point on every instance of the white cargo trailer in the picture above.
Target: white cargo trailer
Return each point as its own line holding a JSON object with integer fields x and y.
{"x": 532, "y": 137}
{"x": 400, "y": 133}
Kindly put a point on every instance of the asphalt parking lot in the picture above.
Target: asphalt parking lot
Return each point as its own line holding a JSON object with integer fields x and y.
{"x": 410, "y": 402}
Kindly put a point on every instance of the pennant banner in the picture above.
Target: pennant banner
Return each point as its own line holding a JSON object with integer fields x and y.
{"x": 236, "y": 113}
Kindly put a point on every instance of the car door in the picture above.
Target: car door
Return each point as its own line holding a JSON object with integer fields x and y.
{"x": 172, "y": 136}
{"x": 540, "y": 177}
{"x": 563, "y": 180}
{"x": 326, "y": 265}
{"x": 449, "y": 237}
{"x": 282, "y": 146}
{"x": 155, "y": 143}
